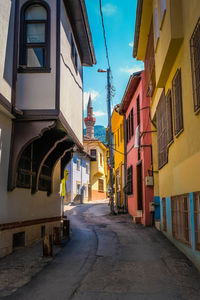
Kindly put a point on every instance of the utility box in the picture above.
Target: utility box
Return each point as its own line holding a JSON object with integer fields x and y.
{"x": 151, "y": 207}
{"x": 149, "y": 180}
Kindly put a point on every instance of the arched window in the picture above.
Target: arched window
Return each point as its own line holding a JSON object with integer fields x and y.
{"x": 35, "y": 37}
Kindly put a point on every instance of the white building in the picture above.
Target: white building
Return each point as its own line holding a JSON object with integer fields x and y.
{"x": 43, "y": 46}
{"x": 78, "y": 182}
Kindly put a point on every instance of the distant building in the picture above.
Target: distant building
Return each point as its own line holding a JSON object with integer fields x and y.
{"x": 97, "y": 150}
{"x": 77, "y": 185}
{"x": 136, "y": 107}
{"x": 43, "y": 48}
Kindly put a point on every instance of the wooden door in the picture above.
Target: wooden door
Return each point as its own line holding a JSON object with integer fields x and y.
{"x": 139, "y": 186}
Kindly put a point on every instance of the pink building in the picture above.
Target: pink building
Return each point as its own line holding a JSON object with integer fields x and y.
{"x": 138, "y": 150}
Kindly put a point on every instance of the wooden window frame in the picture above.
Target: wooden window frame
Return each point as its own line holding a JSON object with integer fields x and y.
{"x": 23, "y": 68}
{"x": 195, "y": 65}
{"x": 197, "y": 220}
{"x": 181, "y": 227}
{"x": 129, "y": 190}
{"x": 100, "y": 185}
{"x": 93, "y": 156}
{"x": 162, "y": 132}
{"x": 177, "y": 103}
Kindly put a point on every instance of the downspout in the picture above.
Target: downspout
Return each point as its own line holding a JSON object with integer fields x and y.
{"x": 125, "y": 163}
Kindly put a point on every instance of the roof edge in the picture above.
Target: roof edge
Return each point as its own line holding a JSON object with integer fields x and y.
{"x": 133, "y": 76}
{"x": 137, "y": 27}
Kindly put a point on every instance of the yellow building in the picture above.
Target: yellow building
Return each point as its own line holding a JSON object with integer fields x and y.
{"x": 167, "y": 40}
{"x": 97, "y": 150}
{"x": 117, "y": 125}
{"x": 98, "y": 168}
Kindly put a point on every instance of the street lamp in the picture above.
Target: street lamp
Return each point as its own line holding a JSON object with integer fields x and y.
{"x": 110, "y": 138}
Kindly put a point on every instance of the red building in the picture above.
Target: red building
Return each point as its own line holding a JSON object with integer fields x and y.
{"x": 135, "y": 106}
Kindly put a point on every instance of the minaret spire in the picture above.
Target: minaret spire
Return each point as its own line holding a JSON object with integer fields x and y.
{"x": 90, "y": 120}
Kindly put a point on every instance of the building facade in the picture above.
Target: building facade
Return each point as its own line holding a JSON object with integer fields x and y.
{"x": 78, "y": 181}
{"x": 117, "y": 126}
{"x": 97, "y": 151}
{"x": 136, "y": 107}
{"x": 43, "y": 49}
{"x": 167, "y": 40}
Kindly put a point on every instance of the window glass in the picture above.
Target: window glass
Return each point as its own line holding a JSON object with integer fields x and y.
{"x": 35, "y": 12}
{"x": 35, "y": 33}
{"x": 35, "y": 57}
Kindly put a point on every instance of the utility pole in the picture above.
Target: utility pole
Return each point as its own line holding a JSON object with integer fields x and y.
{"x": 110, "y": 143}
{"x": 112, "y": 211}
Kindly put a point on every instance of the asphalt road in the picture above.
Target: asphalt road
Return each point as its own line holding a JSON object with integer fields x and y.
{"x": 109, "y": 257}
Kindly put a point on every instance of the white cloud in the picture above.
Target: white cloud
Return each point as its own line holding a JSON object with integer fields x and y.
{"x": 109, "y": 9}
{"x": 94, "y": 94}
{"x": 131, "y": 70}
{"x": 131, "y": 44}
{"x": 99, "y": 113}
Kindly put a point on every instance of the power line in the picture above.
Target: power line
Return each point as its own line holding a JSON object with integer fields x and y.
{"x": 104, "y": 34}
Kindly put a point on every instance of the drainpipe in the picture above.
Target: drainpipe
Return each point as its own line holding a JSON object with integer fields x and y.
{"x": 125, "y": 164}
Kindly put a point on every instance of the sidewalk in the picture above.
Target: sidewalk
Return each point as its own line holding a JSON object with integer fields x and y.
{"x": 19, "y": 267}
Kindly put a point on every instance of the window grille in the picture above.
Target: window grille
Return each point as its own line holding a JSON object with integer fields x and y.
{"x": 169, "y": 117}
{"x": 45, "y": 178}
{"x": 181, "y": 218}
{"x": 101, "y": 185}
{"x": 195, "y": 62}
{"x": 164, "y": 215}
{"x": 197, "y": 219}
{"x": 35, "y": 37}
{"x": 177, "y": 102}
{"x": 162, "y": 132}
{"x": 130, "y": 180}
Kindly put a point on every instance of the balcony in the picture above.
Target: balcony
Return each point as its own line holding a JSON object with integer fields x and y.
{"x": 170, "y": 41}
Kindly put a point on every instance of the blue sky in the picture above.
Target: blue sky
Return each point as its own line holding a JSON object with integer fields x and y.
{"x": 119, "y": 21}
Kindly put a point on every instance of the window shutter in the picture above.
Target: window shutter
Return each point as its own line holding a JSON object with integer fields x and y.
{"x": 195, "y": 62}
{"x": 162, "y": 132}
{"x": 169, "y": 117}
{"x": 177, "y": 102}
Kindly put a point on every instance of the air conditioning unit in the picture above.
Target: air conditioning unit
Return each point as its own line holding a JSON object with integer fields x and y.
{"x": 149, "y": 180}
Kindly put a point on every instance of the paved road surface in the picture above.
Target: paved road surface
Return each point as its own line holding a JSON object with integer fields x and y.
{"x": 111, "y": 258}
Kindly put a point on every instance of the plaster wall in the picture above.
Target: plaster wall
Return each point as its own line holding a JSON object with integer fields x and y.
{"x": 20, "y": 204}
{"x": 132, "y": 156}
{"x": 6, "y": 47}
{"x": 189, "y": 251}
{"x": 71, "y": 94}
{"x": 40, "y": 87}
{"x": 181, "y": 173}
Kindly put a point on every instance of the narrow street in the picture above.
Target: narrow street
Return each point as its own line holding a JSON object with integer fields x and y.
{"x": 112, "y": 258}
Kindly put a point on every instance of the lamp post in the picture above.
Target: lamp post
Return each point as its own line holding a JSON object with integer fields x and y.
{"x": 110, "y": 138}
